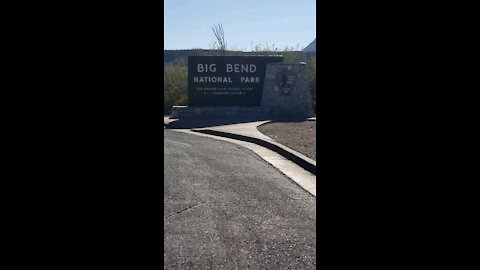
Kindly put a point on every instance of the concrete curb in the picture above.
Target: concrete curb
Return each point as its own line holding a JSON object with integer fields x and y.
{"x": 305, "y": 164}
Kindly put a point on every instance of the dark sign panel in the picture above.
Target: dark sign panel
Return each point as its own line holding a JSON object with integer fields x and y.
{"x": 227, "y": 80}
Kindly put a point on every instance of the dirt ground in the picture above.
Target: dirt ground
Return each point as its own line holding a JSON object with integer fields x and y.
{"x": 299, "y": 136}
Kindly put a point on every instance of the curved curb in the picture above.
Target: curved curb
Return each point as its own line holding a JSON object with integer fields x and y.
{"x": 308, "y": 166}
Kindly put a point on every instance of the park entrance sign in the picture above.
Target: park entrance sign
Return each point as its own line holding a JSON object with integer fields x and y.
{"x": 253, "y": 87}
{"x": 227, "y": 80}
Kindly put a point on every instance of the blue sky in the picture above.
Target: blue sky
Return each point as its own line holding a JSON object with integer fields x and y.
{"x": 285, "y": 23}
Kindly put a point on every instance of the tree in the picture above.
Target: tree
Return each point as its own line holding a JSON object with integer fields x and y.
{"x": 220, "y": 44}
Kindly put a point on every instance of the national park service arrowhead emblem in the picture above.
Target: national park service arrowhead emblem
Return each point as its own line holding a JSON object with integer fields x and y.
{"x": 286, "y": 80}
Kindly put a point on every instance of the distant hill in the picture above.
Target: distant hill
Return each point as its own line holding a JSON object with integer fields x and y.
{"x": 172, "y": 55}
{"x": 181, "y": 56}
{"x": 312, "y": 47}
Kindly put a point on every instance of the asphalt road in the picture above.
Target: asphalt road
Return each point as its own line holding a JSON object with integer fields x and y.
{"x": 226, "y": 208}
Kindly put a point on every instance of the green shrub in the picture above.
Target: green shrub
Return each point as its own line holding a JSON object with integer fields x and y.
{"x": 312, "y": 79}
{"x": 174, "y": 86}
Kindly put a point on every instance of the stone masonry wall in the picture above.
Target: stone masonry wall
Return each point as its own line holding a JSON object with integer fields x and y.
{"x": 217, "y": 112}
{"x": 294, "y": 102}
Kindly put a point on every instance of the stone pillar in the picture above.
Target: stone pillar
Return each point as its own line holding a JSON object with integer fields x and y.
{"x": 286, "y": 91}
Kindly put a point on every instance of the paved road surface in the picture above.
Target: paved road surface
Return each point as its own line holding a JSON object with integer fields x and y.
{"x": 225, "y": 208}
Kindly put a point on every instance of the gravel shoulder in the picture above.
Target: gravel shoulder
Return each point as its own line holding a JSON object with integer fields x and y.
{"x": 299, "y": 136}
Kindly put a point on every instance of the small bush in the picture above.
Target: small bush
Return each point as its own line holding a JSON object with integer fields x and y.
{"x": 174, "y": 86}
{"x": 312, "y": 79}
